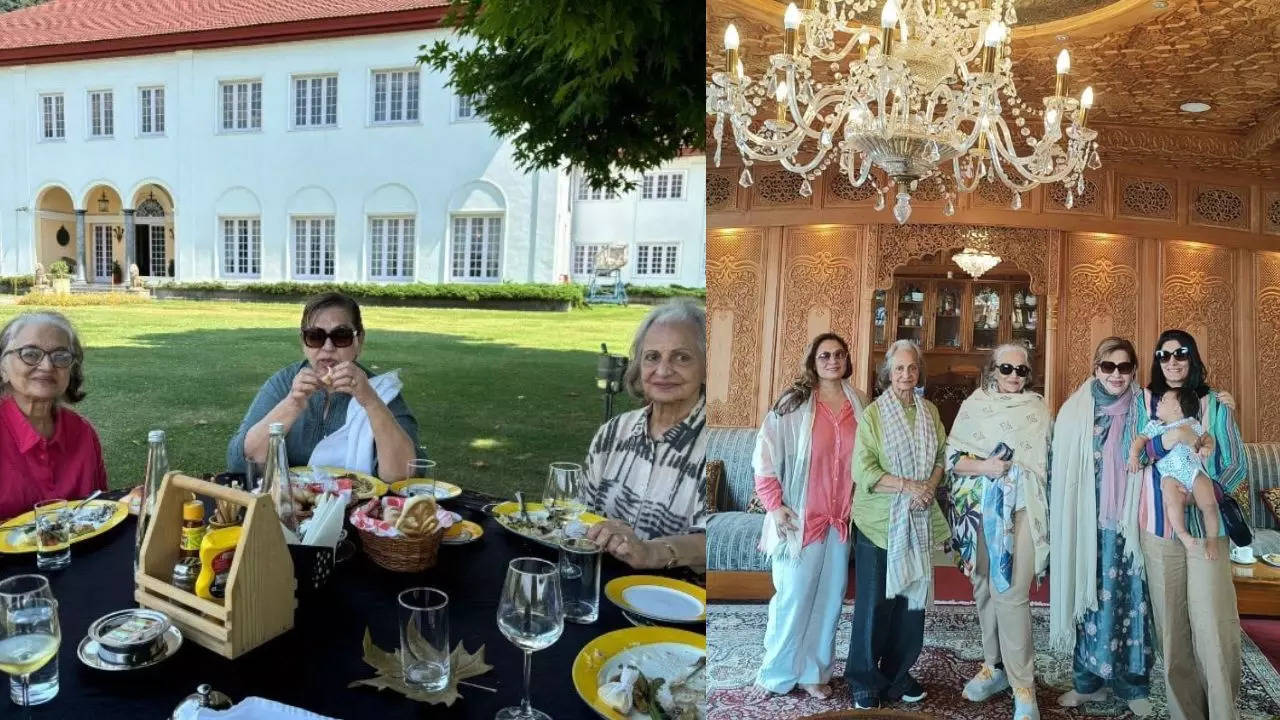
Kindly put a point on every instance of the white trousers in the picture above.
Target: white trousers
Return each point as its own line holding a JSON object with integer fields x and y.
{"x": 800, "y": 640}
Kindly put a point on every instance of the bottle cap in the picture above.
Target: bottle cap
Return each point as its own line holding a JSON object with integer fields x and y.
{"x": 155, "y": 436}
{"x": 193, "y": 510}
{"x": 275, "y": 428}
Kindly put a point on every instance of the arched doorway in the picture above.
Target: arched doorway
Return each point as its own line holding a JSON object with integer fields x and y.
{"x": 104, "y": 230}
{"x": 152, "y": 241}
{"x": 55, "y": 228}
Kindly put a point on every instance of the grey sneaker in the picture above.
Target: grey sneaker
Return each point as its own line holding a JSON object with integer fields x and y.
{"x": 988, "y": 682}
{"x": 1024, "y": 704}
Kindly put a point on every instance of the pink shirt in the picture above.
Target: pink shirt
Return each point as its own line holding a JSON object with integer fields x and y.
{"x": 829, "y": 499}
{"x": 68, "y": 465}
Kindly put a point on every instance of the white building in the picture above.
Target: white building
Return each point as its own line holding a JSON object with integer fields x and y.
{"x": 296, "y": 142}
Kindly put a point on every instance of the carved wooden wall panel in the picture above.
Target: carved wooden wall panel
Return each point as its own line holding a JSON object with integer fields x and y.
{"x": 1087, "y": 203}
{"x": 1147, "y": 198}
{"x": 1101, "y": 300}
{"x": 820, "y": 292}
{"x": 1027, "y": 248}
{"x": 1267, "y": 346}
{"x": 839, "y": 192}
{"x": 735, "y": 310}
{"x": 1219, "y": 206}
{"x": 1198, "y": 295}
{"x": 1271, "y": 212}
{"x": 722, "y": 189}
{"x": 776, "y": 187}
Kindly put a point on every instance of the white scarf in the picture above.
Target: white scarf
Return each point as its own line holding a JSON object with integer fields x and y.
{"x": 911, "y": 452}
{"x": 350, "y": 447}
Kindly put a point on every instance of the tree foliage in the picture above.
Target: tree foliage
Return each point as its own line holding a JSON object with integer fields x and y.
{"x": 607, "y": 86}
{"x": 8, "y": 5}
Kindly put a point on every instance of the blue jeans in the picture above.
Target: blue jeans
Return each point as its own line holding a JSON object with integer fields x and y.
{"x": 887, "y": 637}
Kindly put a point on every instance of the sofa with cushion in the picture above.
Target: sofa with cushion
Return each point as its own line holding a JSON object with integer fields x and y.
{"x": 1263, "y": 477}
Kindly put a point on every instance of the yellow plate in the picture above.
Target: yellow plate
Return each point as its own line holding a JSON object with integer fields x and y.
{"x": 596, "y": 657}
{"x": 379, "y": 487}
{"x": 9, "y": 536}
{"x": 462, "y": 532}
{"x": 444, "y": 490}
{"x": 503, "y": 513}
{"x": 658, "y": 598}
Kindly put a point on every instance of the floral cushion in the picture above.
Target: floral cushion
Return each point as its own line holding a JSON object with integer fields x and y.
{"x": 1271, "y": 501}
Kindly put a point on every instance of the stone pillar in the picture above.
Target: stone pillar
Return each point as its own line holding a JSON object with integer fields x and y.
{"x": 81, "y": 254}
{"x": 129, "y": 239}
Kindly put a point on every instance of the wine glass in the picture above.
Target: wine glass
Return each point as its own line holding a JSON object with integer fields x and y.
{"x": 560, "y": 498}
{"x": 42, "y": 685}
{"x": 531, "y": 616}
{"x": 29, "y": 637}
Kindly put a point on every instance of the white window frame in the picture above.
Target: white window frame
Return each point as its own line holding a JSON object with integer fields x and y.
{"x": 254, "y": 240}
{"x": 100, "y": 237}
{"x": 105, "y": 97}
{"x": 389, "y": 89}
{"x": 408, "y": 246}
{"x": 156, "y": 114}
{"x": 247, "y": 111}
{"x": 328, "y": 241}
{"x": 588, "y": 258}
{"x": 487, "y": 257}
{"x": 163, "y": 255}
{"x": 651, "y": 183}
{"x": 587, "y": 193}
{"x": 467, "y": 103}
{"x": 56, "y": 122}
{"x": 643, "y": 268}
{"x": 329, "y": 94}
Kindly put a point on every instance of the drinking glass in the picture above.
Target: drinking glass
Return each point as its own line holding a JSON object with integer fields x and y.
{"x": 561, "y": 496}
{"x": 42, "y": 685}
{"x": 531, "y": 616}
{"x": 53, "y": 534}
{"x": 580, "y": 579}
{"x": 424, "y": 638}
{"x": 424, "y": 471}
{"x": 29, "y": 638}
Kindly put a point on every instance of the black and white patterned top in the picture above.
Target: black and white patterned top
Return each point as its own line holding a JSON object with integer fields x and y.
{"x": 658, "y": 487}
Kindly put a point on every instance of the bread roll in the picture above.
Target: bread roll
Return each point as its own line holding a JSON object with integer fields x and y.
{"x": 418, "y": 517}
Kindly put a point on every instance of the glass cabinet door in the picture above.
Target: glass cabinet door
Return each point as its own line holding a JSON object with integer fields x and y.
{"x": 947, "y": 316}
{"x": 880, "y": 311}
{"x": 1025, "y": 318}
{"x": 911, "y": 295}
{"x": 986, "y": 316}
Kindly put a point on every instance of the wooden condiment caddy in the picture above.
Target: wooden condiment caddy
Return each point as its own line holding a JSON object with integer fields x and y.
{"x": 259, "y": 602}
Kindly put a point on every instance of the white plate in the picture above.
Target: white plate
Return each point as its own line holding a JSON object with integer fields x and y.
{"x": 663, "y": 603}
{"x": 656, "y": 660}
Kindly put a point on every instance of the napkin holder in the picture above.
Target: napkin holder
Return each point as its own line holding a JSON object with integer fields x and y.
{"x": 259, "y": 602}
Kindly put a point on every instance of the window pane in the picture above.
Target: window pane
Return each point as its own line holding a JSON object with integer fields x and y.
{"x": 328, "y": 247}
{"x": 108, "y": 114}
{"x": 331, "y": 101}
{"x": 375, "y": 248}
{"x": 316, "y": 90}
{"x": 494, "y": 250}
{"x": 255, "y": 110}
{"x": 411, "y": 101}
{"x": 159, "y": 110}
{"x": 146, "y": 111}
{"x": 397, "y": 96}
{"x": 380, "y": 97}
{"x": 228, "y": 107}
{"x": 299, "y": 247}
{"x": 242, "y": 106}
{"x": 677, "y": 186}
{"x": 459, "y": 247}
{"x": 300, "y": 103}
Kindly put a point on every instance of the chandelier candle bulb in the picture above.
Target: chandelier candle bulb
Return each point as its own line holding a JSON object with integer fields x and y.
{"x": 864, "y": 42}
{"x": 782, "y": 101}
{"x": 790, "y": 21}
{"x": 731, "y": 52}
{"x": 888, "y": 20}
{"x": 1064, "y": 67}
{"x": 1086, "y": 102}
{"x": 991, "y": 41}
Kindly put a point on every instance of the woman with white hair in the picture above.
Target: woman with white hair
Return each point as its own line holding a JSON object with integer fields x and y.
{"x": 47, "y": 452}
{"x": 897, "y": 465}
{"x": 645, "y": 468}
{"x": 997, "y": 459}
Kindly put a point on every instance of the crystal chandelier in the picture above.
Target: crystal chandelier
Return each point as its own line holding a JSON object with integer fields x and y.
{"x": 926, "y": 89}
{"x": 975, "y": 262}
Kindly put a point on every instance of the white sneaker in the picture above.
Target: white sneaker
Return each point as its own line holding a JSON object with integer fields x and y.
{"x": 988, "y": 682}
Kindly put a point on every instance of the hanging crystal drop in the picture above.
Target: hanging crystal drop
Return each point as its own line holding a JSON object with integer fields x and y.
{"x": 808, "y": 92}
{"x": 805, "y": 188}
{"x": 1071, "y": 200}
{"x": 1017, "y": 201}
{"x": 825, "y": 139}
{"x": 950, "y": 208}
{"x": 772, "y": 90}
{"x": 1080, "y": 185}
{"x": 1010, "y": 15}
{"x": 879, "y": 201}
{"x": 902, "y": 208}
{"x": 934, "y": 155}
{"x": 745, "y": 179}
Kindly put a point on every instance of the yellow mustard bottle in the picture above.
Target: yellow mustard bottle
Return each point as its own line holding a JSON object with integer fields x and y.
{"x": 217, "y": 550}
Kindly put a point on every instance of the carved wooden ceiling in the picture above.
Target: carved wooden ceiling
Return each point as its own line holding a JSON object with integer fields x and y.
{"x": 1142, "y": 61}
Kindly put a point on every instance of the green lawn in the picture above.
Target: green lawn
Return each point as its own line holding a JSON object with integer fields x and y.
{"x": 498, "y": 395}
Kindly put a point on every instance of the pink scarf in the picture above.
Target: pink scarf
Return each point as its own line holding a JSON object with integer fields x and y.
{"x": 1114, "y": 472}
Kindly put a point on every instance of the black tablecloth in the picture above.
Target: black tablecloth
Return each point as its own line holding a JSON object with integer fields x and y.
{"x": 311, "y": 665}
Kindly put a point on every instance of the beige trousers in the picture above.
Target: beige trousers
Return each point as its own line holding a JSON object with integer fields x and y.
{"x": 1005, "y": 617}
{"x": 1197, "y": 628}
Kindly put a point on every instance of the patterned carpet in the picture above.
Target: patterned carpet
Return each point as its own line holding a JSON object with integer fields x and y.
{"x": 952, "y": 654}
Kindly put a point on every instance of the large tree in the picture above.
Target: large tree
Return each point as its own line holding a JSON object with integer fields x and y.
{"x": 608, "y": 86}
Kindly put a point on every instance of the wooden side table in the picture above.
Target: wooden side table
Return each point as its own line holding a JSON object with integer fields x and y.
{"x": 1257, "y": 588}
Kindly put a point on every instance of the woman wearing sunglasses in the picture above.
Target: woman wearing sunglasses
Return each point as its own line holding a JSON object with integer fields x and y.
{"x": 1195, "y": 616}
{"x": 313, "y": 398}
{"x": 802, "y": 464}
{"x": 1098, "y": 603}
{"x": 997, "y": 458}
{"x": 47, "y": 452}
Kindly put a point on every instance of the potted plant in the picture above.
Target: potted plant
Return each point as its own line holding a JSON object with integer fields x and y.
{"x": 117, "y": 273}
{"x": 60, "y": 274}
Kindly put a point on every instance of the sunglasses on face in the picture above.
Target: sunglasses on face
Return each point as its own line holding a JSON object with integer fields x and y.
{"x": 1006, "y": 368}
{"x": 1164, "y": 356}
{"x": 341, "y": 336}
{"x": 1107, "y": 367}
{"x": 837, "y": 355}
{"x": 32, "y": 355}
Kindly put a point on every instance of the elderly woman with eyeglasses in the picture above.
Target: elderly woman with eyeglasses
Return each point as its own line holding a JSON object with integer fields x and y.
{"x": 645, "y": 468}
{"x": 47, "y": 451}
{"x": 998, "y": 456}
{"x": 313, "y": 398}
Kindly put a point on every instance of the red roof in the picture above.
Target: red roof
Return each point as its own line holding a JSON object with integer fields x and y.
{"x": 75, "y": 29}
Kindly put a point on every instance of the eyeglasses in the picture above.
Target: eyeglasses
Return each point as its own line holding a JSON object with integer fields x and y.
{"x": 341, "y": 337}
{"x": 1006, "y": 368}
{"x": 1164, "y": 356}
{"x": 33, "y": 356}
{"x": 837, "y": 355}
{"x": 1107, "y": 367}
